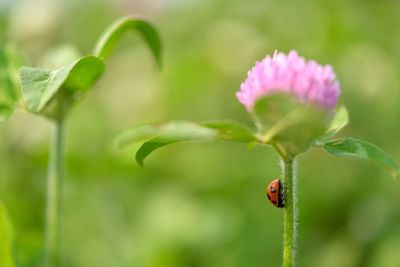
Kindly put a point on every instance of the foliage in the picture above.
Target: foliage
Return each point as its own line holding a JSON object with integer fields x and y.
{"x": 205, "y": 205}
{"x": 158, "y": 135}
{"x": 285, "y": 121}
{"x": 361, "y": 149}
{"x": 107, "y": 42}
{"x": 50, "y": 92}
{"x": 42, "y": 87}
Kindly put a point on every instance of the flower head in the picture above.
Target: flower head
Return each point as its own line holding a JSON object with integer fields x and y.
{"x": 307, "y": 81}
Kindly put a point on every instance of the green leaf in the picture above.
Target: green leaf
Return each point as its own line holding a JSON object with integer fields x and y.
{"x": 6, "y": 259}
{"x": 84, "y": 73}
{"x": 364, "y": 150}
{"x": 139, "y": 133}
{"x": 114, "y": 33}
{"x": 10, "y": 61}
{"x": 155, "y": 136}
{"x": 225, "y": 130}
{"x": 39, "y": 86}
{"x": 172, "y": 133}
{"x": 283, "y": 121}
{"x": 340, "y": 120}
{"x": 231, "y": 131}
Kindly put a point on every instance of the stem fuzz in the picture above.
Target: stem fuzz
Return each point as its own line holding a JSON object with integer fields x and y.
{"x": 289, "y": 212}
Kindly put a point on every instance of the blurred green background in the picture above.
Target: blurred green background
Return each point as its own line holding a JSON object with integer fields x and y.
{"x": 204, "y": 204}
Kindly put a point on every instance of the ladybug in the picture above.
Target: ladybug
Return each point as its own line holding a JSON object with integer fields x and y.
{"x": 275, "y": 193}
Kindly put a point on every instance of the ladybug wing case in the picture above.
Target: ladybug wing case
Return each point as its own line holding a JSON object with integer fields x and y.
{"x": 275, "y": 193}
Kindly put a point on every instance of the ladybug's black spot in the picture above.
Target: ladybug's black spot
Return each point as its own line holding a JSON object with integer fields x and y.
{"x": 272, "y": 189}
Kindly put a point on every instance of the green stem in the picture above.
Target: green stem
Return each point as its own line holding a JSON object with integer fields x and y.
{"x": 54, "y": 196}
{"x": 289, "y": 212}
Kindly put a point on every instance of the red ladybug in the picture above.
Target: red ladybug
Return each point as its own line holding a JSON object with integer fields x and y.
{"x": 275, "y": 193}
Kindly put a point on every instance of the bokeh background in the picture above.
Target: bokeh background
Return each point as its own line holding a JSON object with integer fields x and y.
{"x": 204, "y": 204}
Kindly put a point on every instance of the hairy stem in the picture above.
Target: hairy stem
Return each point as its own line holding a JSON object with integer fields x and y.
{"x": 54, "y": 196}
{"x": 289, "y": 212}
